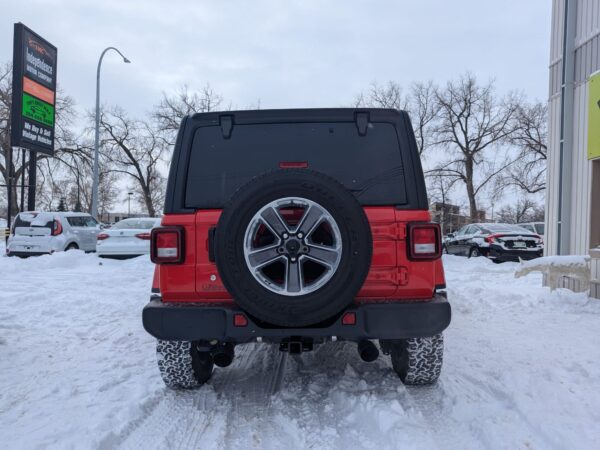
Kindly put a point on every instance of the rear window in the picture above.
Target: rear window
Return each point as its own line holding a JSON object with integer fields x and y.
{"x": 136, "y": 224}
{"x": 24, "y": 220}
{"x": 505, "y": 228}
{"x": 127, "y": 224}
{"x": 29, "y": 220}
{"x": 369, "y": 166}
{"x": 498, "y": 228}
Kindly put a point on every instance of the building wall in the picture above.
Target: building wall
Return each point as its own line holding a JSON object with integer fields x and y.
{"x": 586, "y": 62}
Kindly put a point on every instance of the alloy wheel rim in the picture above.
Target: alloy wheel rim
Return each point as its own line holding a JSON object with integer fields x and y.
{"x": 292, "y": 246}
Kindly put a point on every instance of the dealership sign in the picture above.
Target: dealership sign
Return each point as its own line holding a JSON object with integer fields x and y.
{"x": 33, "y": 92}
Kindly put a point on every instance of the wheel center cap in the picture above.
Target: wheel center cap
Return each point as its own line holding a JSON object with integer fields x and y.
{"x": 292, "y": 246}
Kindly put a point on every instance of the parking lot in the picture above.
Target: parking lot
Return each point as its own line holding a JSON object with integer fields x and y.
{"x": 78, "y": 371}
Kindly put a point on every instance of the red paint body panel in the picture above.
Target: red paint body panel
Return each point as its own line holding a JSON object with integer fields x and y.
{"x": 210, "y": 291}
{"x": 392, "y": 275}
{"x": 178, "y": 281}
{"x": 155, "y": 280}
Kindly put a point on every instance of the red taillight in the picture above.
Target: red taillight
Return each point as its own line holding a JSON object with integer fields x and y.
{"x": 57, "y": 228}
{"x": 143, "y": 236}
{"x": 492, "y": 238}
{"x": 424, "y": 241}
{"x": 240, "y": 320}
{"x": 166, "y": 245}
{"x": 102, "y": 236}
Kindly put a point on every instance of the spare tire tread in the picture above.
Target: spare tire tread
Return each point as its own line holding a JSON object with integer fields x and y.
{"x": 337, "y": 293}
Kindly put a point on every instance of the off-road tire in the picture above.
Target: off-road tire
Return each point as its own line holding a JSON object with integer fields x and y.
{"x": 418, "y": 361}
{"x": 181, "y": 365}
{"x": 331, "y": 298}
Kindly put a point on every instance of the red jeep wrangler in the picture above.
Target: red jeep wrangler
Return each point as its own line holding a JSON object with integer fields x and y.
{"x": 296, "y": 227}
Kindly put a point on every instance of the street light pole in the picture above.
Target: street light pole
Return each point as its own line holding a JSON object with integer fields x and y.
{"x": 97, "y": 137}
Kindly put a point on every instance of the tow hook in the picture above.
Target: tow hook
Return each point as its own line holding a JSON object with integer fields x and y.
{"x": 296, "y": 345}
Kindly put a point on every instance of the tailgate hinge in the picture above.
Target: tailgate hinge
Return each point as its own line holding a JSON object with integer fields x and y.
{"x": 402, "y": 276}
{"x": 226, "y": 123}
{"x": 362, "y": 122}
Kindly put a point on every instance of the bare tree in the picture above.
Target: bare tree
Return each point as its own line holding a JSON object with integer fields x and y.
{"x": 172, "y": 109}
{"x": 525, "y": 210}
{"x": 9, "y": 163}
{"x": 388, "y": 95}
{"x": 136, "y": 150}
{"x": 531, "y": 137}
{"x": 424, "y": 111}
{"x": 57, "y": 180}
{"x": 473, "y": 123}
{"x": 439, "y": 188}
{"x": 420, "y": 103}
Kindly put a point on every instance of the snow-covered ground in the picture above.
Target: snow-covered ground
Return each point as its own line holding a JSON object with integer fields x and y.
{"x": 77, "y": 370}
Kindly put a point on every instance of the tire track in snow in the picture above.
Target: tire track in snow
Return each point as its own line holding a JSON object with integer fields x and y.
{"x": 234, "y": 395}
{"x": 339, "y": 401}
{"x": 242, "y": 406}
{"x": 251, "y": 396}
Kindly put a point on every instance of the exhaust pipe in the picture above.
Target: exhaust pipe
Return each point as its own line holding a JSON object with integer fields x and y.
{"x": 223, "y": 355}
{"x": 367, "y": 351}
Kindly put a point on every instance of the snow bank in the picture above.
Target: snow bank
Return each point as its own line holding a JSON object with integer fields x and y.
{"x": 563, "y": 261}
{"x": 556, "y": 267}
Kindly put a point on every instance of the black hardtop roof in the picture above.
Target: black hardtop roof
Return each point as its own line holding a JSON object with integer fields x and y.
{"x": 301, "y": 115}
{"x": 188, "y": 191}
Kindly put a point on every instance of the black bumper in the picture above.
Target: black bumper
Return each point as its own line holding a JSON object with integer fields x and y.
{"x": 500, "y": 254}
{"x": 26, "y": 254}
{"x": 390, "y": 320}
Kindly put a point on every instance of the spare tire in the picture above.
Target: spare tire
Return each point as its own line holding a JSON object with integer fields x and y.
{"x": 293, "y": 247}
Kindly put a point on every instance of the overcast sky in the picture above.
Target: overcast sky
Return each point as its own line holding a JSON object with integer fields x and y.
{"x": 285, "y": 53}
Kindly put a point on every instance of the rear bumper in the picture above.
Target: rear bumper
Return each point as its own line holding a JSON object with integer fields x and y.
{"x": 119, "y": 255}
{"x": 115, "y": 250}
{"x": 391, "y": 320}
{"x": 513, "y": 255}
{"x": 26, "y": 254}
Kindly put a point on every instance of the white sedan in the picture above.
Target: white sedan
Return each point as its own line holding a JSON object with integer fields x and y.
{"x": 126, "y": 238}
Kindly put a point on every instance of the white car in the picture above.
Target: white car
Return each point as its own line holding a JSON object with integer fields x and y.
{"x": 127, "y": 238}
{"x": 39, "y": 233}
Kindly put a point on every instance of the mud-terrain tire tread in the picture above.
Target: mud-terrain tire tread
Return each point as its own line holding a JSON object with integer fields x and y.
{"x": 418, "y": 361}
{"x": 181, "y": 366}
